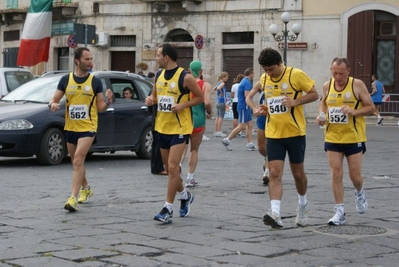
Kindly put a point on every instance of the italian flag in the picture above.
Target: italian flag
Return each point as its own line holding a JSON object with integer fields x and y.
{"x": 35, "y": 40}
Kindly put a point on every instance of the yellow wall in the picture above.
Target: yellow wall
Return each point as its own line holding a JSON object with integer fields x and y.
{"x": 336, "y": 7}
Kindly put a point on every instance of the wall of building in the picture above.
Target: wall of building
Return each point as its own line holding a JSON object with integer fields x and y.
{"x": 323, "y": 29}
{"x": 337, "y": 7}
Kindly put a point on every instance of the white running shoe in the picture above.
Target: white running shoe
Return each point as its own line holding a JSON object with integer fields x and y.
{"x": 251, "y": 147}
{"x": 204, "y": 138}
{"x": 227, "y": 143}
{"x": 302, "y": 215}
{"x": 338, "y": 218}
{"x": 191, "y": 183}
{"x": 219, "y": 134}
{"x": 361, "y": 202}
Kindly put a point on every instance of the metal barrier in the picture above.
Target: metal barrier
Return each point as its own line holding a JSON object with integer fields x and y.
{"x": 390, "y": 104}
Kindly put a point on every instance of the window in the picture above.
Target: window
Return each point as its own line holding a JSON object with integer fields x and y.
{"x": 11, "y": 36}
{"x": 144, "y": 87}
{"x": 123, "y": 40}
{"x": 117, "y": 87}
{"x": 238, "y": 37}
{"x": 15, "y": 79}
{"x": 179, "y": 35}
{"x": 12, "y": 4}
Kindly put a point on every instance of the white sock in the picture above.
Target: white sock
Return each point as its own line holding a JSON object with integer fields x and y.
{"x": 169, "y": 206}
{"x": 183, "y": 194}
{"x": 359, "y": 193}
{"x": 379, "y": 116}
{"x": 275, "y": 205}
{"x": 190, "y": 176}
{"x": 340, "y": 208}
{"x": 302, "y": 201}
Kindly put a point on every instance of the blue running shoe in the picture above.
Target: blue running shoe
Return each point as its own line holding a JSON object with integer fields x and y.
{"x": 185, "y": 205}
{"x": 164, "y": 216}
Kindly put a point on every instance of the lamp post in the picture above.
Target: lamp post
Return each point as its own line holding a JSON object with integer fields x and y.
{"x": 296, "y": 29}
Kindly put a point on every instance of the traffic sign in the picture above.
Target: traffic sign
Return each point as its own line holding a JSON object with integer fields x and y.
{"x": 199, "y": 41}
{"x": 71, "y": 41}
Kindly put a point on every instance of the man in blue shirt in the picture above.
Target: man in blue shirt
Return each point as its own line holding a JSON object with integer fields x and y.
{"x": 244, "y": 113}
{"x": 376, "y": 96}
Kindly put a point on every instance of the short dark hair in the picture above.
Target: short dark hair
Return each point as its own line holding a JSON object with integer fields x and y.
{"x": 79, "y": 52}
{"x": 269, "y": 57}
{"x": 150, "y": 75}
{"x": 340, "y": 60}
{"x": 128, "y": 89}
{"x": 248, "y": 71}
{"x": 169, "y": 50}
{"x": 375, "y": 76}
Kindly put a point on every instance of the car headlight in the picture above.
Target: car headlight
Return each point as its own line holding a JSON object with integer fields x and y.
{"x": 16, "y": 125}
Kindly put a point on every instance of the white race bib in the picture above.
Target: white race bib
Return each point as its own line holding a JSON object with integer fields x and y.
{"x": 275, "y": 105}
{"x": 336, "y": 116}
{"x": 165, "y": 103}
{"x": 78, "y": 112}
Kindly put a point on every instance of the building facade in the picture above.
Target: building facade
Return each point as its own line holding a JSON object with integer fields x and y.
{"x": 226, "y": 35}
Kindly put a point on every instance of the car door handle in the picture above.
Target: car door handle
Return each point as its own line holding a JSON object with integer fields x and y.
{"x": 144, "y": 107}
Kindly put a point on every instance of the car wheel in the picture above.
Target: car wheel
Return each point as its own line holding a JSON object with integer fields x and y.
{"x": 144, "y": 151}
{"x": 52, "y": 147}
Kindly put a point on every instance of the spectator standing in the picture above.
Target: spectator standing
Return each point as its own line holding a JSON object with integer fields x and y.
{"x": 234, "y": 96}
{"x": 220, "y": 103}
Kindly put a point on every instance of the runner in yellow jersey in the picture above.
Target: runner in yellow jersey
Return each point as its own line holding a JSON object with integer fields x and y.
{"x": 84, "y": 97}
{"x": 345, "y": 101}
{"x": 174, "y": 123}
{"x": 285, "y": 130}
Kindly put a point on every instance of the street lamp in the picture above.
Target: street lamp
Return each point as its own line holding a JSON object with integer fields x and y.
{"x": 296, "y": 28}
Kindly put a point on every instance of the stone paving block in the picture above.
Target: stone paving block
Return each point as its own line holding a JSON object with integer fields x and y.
{"x": 251, "y": 260}
{"x": 199, "y": 251}
{"x": 135, "y": 261}
{"x": 225, "y": 226}
{"x": 44, "y": 262}
{"x": 84, "y": 254}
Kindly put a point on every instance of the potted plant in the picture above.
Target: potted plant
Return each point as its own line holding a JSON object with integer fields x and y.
{"x": 142, "y": 66}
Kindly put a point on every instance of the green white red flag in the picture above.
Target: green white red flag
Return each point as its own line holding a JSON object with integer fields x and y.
{"x": 35, "y": 41}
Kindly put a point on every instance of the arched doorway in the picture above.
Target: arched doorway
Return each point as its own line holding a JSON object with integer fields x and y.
{"x": 369, "y": 18}
{"x": 372, "y": 41}
{"x": 184, "y": 46}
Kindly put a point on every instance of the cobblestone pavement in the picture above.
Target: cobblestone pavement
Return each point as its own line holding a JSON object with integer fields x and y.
{"x": 224, "y": 228}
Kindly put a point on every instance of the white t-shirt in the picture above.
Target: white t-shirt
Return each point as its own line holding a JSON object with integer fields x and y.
{"x": 234, "y": 89}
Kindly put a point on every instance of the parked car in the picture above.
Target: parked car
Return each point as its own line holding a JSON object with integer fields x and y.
{"x": 11, "y": 78}
{"x": 55, "y": 72}
{"x": 28, "y": 127}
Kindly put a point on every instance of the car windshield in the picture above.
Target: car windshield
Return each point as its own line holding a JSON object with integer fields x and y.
{"x": 38, "y": 90}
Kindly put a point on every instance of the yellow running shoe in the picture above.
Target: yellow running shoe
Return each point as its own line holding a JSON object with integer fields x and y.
{"x": 84, "y": 195}
{"x": 71, "y": 204}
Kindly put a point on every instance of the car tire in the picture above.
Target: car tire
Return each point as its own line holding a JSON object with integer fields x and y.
{"x": 144, "y": 151}
{"x": 52, "y": 147}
